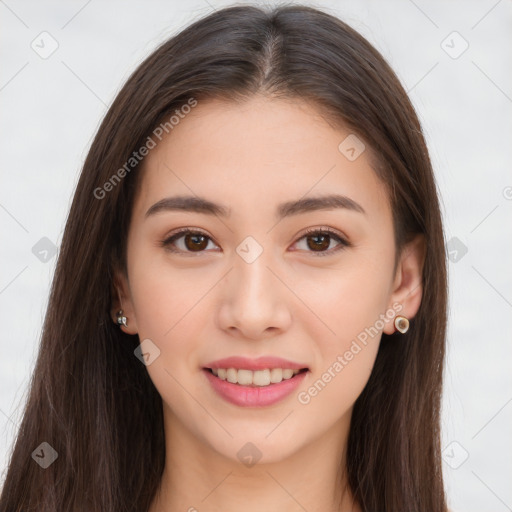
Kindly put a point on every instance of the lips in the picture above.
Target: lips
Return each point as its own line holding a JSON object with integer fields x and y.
{"x": 254, "y": 396}
{"x": 254, "y": 382}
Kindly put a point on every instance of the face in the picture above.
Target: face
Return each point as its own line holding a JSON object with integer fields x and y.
{"x": 260, "y": 277}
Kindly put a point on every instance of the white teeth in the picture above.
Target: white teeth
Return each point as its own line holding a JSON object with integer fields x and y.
{"x": 259, "y": 378}
{"x": 287, "y": 374}
{"x": 256, "y": 378}
{"x": 245, "y": 377}
{"x": 276, "y": 375}
{"x": 232, "y": 376}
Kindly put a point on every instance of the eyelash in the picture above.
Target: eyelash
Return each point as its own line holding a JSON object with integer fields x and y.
{"x": 343, "y": 243}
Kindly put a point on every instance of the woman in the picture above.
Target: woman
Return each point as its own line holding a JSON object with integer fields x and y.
{"x": 249, "y": 305}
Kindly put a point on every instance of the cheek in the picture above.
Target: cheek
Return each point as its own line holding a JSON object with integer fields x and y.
{"x": 345, "y": 357}
{"x": 345, "y": 300}
{"x": 171, "y": 313}
{"x": 349, "y": 305}
{"x": 164, "y": 297}
{"x": 171, "y": 310}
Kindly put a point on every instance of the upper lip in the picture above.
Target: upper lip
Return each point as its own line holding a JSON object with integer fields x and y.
{"x": 261, "y": 363}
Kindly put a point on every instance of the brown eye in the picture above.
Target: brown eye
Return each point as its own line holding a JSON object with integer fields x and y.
{"x": 187, "y": 241}
{"x": 195, "y": 242}
{"x": 318, "y": 242}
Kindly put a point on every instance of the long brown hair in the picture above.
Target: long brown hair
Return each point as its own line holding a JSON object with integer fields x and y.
{"x": 92, "y": 400}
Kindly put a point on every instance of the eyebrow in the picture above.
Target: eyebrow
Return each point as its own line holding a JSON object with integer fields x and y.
{"x": 287, "y": 209}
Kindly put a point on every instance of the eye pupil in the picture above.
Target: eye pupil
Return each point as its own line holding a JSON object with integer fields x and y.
{"x": 324, "y": 244}
{"x": 203, "y": 243}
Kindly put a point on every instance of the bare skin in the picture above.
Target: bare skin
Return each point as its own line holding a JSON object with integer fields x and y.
{"x": 305, "y": 302}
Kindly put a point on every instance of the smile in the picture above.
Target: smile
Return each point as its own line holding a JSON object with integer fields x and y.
{"x": 253, "y": 394}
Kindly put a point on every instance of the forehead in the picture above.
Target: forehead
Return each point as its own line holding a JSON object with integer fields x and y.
{"x": 257, "y": 153}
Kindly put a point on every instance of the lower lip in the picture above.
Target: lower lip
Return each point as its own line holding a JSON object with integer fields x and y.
{"x": 257, "y": 396}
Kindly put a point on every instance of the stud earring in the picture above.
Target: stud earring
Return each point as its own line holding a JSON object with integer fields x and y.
{"x": 121, "y": 319}
{"x": 402, "y": 324}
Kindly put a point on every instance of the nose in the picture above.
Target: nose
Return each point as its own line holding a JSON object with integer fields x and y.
{"x": 255, "y": 303}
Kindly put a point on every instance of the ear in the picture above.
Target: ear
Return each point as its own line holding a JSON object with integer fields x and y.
{"x": 408, "y": 282}
{"x": 121, "y": 299}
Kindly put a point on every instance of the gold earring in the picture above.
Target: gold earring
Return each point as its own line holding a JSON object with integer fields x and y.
{"x": 121, "y": 319}
{"x": 402, "y": 324}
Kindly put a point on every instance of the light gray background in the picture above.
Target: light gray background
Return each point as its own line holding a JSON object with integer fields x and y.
{"x": 51, "y": 108}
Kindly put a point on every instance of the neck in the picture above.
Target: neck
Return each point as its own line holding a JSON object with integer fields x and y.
{"x": 198, "y": 478}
